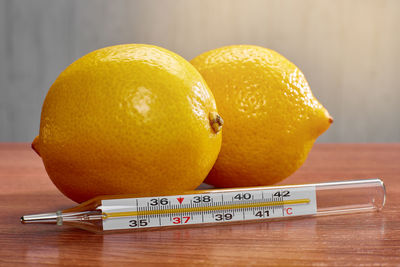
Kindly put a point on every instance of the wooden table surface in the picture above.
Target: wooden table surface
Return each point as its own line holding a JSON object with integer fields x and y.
{"x": 367, "y": 239}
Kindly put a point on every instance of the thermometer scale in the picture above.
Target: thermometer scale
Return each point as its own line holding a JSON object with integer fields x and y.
{"x": 218, "y": 206}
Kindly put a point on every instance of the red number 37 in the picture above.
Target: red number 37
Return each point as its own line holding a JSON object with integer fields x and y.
{"x": 177, "y": 220}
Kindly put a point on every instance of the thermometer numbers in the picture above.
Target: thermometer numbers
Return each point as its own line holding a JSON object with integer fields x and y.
{"x": 137, "y": 223}
{"x": 161, "y": 201}
{"x": 262, "y": 214}
{"x": 283, "y": 193}
{"x": 209, "y": 207}
{"x": 241, "y": 196}
{"x": 180, "y": 220}
{"x": 199, "y": 199}
{"x": 223, "y": 216}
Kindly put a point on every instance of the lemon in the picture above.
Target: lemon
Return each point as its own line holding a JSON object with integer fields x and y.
{"x": 271, "y": 117}
{"x": 128, "y": 119}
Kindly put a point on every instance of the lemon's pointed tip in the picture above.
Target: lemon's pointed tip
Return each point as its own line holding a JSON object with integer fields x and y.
{"x": 35, "y": 145}
{"x": 326, "y": 115}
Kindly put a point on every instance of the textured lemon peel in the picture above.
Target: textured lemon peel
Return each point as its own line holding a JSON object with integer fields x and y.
{"x": 97, "y": 131}
{"x": 273, "y": 116}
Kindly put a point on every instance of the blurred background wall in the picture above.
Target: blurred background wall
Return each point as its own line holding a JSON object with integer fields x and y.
{"x": 349, "y": 50}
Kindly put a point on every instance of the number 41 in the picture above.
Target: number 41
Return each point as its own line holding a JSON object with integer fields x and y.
{"x": 261, "y": 214}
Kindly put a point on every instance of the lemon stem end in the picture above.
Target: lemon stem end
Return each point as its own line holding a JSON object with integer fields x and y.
{"x": 216, "y": 121}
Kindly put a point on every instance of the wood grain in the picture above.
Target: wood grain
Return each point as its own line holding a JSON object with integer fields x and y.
{"x": 369, "y": 239}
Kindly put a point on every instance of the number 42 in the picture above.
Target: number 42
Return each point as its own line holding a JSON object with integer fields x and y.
{"x": 284, "y": 193}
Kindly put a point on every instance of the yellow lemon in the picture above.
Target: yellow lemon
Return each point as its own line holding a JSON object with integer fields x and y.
{"x": 271, "y": 117}
{"x": 128, "y": 119}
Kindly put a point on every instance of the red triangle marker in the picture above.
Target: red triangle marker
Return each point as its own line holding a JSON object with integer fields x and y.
{"x": 180, "y": 199}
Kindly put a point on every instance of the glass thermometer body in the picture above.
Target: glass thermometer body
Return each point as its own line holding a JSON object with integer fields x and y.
{"x": 215, "y": 206}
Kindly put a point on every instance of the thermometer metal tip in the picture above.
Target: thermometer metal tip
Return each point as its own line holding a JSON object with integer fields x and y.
{"x": 54, "y": 217}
